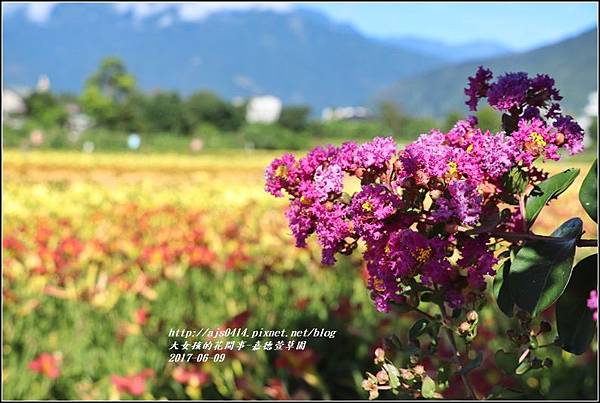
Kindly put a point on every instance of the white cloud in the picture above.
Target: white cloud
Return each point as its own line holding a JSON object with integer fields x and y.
{"x": 41, "y": 12}
{"x": 199, "y": 11}
{"x": 165, "y": 21}
{"x": 36, "y": 12}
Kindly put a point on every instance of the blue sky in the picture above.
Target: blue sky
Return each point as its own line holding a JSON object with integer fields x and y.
{"x": 518, "y": 26}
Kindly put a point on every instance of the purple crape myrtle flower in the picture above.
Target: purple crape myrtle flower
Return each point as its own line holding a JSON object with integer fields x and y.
{"x": 542, "y": 91}
{"x": 370, "y": 208}
{"x": 281, "y": 174}
{"x": 302, "y": 222}
{"x": 509, "y": 91}
{"x": 404, "y": 254}
{"x": 477, "y": 259}
{"x": 570, "y": 133}
{"x": 534, "y": 139}
{"x": 331, "y": 229}
{"x": 462, "y": 204}
{"x": 328, "y": 180}
{"x": 495, "y": 153}
{"x": 592, "y": 303}
{"x": 376, "y": 153}
{"x": 415, "y": 205}
{"x": 478, "y": 87}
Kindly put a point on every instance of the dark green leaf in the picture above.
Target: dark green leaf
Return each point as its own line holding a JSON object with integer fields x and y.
{"x": 428, "y": 388}
{"x": 488, "y": 223}
{"x": 502, "y": 291}
{"x": 574, "y": 320}
{"x": 588, "y": 194}
{"x": 507, "y": 362}
{"x": 417, "y": 329}
{"x": 541, "y": 269}
{"x": 547, "y": 190}
{"x": 514, "y": 181}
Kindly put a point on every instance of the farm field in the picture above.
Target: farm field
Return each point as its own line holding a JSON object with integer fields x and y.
{"x": 103, "y": 254}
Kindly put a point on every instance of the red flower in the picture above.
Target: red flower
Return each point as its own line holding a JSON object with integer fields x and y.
{"x": 298, "y": 362}
{"x": 193, "y": 376}
{"x": 238, "y": 320}
{"x": 132, "y": 384}
{"x": 276, "y": 390}
{"x": 46, "y": 364}
{"x": 200, "y": 256}
{"x": 141, "y": 316}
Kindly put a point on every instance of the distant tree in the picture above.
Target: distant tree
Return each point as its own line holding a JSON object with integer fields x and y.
{"x": 392, "y": 117}
{"x": 46, "y": 109}
{"x": 592, "y": 130}
{"x": 294, "y": 118}
{"x": 207, "y": 107}
{"x": 489, "y": 119}
{"x": 163, "y": 112}
{"x": 451, "y": 119}
{"x": 109, "y": 94}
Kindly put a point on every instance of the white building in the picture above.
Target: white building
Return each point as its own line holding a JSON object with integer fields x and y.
{"x": 591, "y": 109}
{"x": 345, "y": 113}
{"x": 43, "y": 84}
{"x": 12, "y": 103}
{"x": 263, "y": 109}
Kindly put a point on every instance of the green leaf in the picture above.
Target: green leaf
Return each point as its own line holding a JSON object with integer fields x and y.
{"x": 588, "y": 194}
{"x": 472, "y": 364}
{"x": 428, "y": 388}
{"x": 501, "y": 289}
{"x": 393, "y": 374}
{"x": 507, "y": 362}
{"x": 514, "y": 181}
{"x": 417, "y": 329}
{"x": 541, "y": 269}
{"x": 547, "y": 190}
{"x": 574, "y": 320}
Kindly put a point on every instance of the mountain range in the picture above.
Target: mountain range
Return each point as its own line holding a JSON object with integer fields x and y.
{"x": 571, "y": 62}
{"x": 299, "y": 55}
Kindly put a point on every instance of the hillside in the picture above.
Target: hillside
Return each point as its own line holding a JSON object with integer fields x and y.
{"x": 572, "y": 62}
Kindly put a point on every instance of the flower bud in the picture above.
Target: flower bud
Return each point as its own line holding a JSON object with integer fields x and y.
{"x": 560, "y": 139}
{"x": 435, "y": 194}
{"x": 382, "y": 377}
{"x": 406, "y": 374}
{"x": 472, "y": 316}
{"x": 464, "y": 328}
{"x": 419, "y": 370}
{"x": 379, "y": 355}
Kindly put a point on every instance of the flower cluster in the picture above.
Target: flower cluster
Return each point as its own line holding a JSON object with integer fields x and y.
{"x": 529, "y": 103}
{"x": 423, "y": 212}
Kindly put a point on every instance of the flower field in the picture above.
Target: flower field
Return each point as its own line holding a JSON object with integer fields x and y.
{"x": 104, "y": 254}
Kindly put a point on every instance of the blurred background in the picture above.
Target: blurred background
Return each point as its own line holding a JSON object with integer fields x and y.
{"x": 135, "y": 138}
